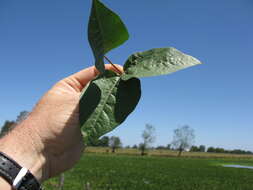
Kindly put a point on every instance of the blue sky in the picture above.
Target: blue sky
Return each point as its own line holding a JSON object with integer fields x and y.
{"x": 44, "y": 41}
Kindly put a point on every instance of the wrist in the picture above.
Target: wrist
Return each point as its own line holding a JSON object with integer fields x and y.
{"x": 4, "y": 185}
{"x": 24, "y": 148}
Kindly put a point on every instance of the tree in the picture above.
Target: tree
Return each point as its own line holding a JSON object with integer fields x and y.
{"x": 161, "y": 147}
{"x": 194, "y": 149}
{"x": 22, "y": 116}
{"x": 135, "y": 146}
{"x": 211, "y": 149}
{"x": 238, "y": 151}
{"x": 148, "y": 138}
{"x": 219, "y": 150}
{"x": 8, "y": 126}
{"x": 142, "y": 148}
{"x": 202, "y": 148}
{"x": 114, "y": 143}
{"x": 183, "y": 138}
{"x": 104, "y": 141}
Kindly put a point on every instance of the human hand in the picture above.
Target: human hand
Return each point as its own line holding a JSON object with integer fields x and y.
{"x": 49, "y": 141}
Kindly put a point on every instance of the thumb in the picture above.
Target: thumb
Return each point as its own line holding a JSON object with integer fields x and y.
{"x": 80, "y": 79}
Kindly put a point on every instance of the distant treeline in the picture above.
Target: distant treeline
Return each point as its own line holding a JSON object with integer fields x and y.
{"x": 104, "y": 142}
{"x": 115, "y": 142}
{"x": 222, "y": 150}
{"x": 202, "y": 148}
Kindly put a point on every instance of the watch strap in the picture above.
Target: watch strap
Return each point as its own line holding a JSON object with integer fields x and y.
{"x": 19, "y": 178}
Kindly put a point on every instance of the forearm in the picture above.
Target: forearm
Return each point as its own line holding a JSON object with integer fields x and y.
{"x": 20, "y": 146}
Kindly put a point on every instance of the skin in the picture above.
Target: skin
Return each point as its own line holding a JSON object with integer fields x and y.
{"x": 49, "y": 141}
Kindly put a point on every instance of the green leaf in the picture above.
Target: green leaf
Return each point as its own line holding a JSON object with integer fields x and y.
{"x": 106, "y": 103}
{"x": 106, "y": 31}
{"x": 157, "y": 61}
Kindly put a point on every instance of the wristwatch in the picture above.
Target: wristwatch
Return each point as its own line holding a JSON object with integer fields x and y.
{"x": 18, "y": 177}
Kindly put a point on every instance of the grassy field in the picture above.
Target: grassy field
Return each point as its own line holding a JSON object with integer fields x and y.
{"x": 129, "y": 172}
{"x": 168, "y": 153}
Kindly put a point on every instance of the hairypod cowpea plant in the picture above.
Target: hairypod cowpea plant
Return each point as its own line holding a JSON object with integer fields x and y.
{"x": 108, "y": 99}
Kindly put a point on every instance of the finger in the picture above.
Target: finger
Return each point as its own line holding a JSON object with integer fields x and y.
{"x": 90, "y": 73}
{"x": 80, "y": 79}
{"x": 116, "y": 68}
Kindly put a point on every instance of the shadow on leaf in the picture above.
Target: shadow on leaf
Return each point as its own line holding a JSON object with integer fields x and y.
{"x": 127, "y": 98}
{"x": 88, "y": 102}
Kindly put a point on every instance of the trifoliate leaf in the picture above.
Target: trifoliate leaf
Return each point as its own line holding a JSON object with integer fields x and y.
{"x": 106, "y": 31}
{"x": 159, "y": 61}
{"x": 106, "y": 103}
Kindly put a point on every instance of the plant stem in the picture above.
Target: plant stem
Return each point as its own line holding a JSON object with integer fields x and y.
{"x": 107, "y": 59}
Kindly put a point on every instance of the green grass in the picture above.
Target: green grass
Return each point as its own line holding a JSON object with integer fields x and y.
{"x": 119, "y": 172}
